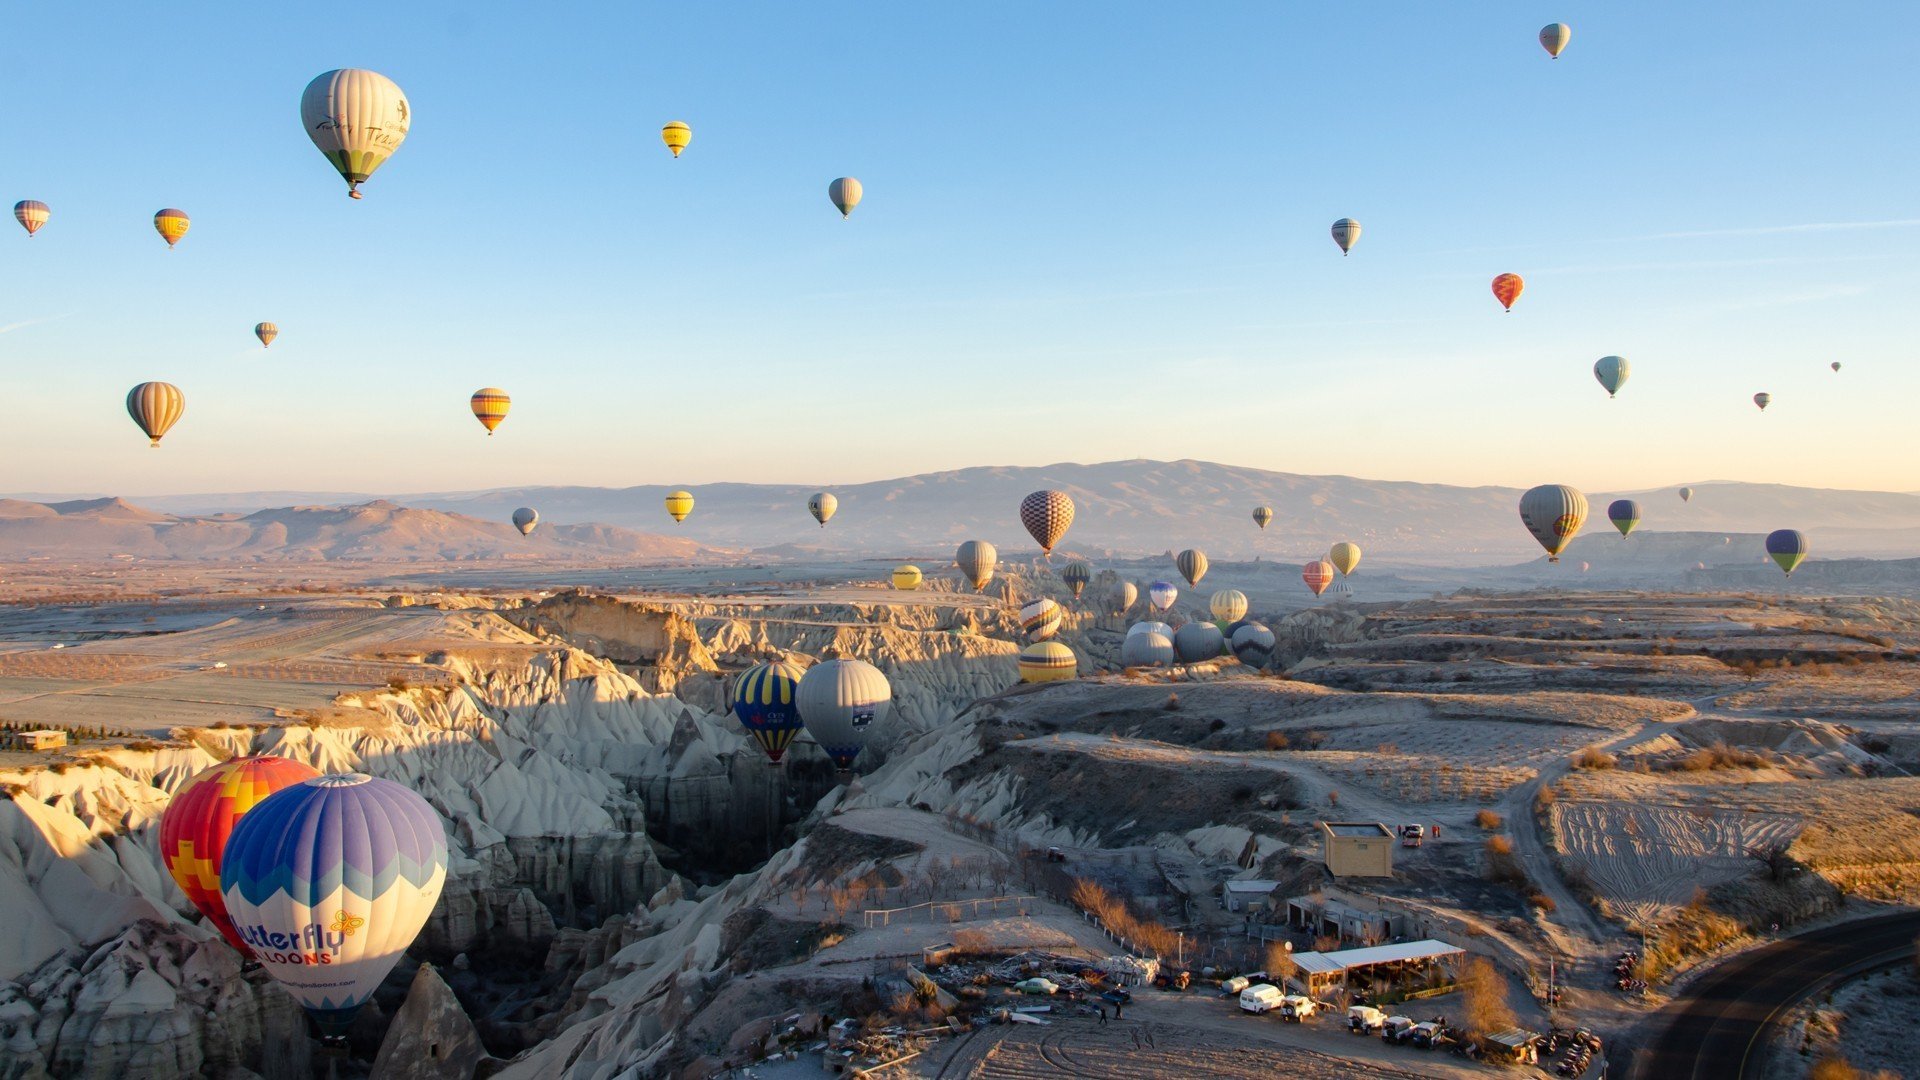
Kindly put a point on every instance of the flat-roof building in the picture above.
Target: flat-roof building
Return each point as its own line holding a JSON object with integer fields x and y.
{"x": 1400, "y": 960}
{"x": 1357, "y": 848}
{"x": 39, "y": 741}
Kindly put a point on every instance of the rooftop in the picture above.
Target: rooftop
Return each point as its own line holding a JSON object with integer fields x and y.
{"x": 1364, "y": 829}
{"x": 1326, "y": 963}
{"x": 1252, "y": 885}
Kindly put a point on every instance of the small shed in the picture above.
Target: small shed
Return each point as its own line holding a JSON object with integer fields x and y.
{"x": 40, "y": 741}
{"x": 1248, "y": 894}
{"x": 1357, "y": 848}
{"x": 1515, "y": 1045}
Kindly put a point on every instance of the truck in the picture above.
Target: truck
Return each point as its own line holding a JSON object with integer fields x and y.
{"x": 1297, "y": 1007}
{"x": 1260, "y": 998}
{"x": 1412, "y": 835}
{"x": 1365, "y": 1019}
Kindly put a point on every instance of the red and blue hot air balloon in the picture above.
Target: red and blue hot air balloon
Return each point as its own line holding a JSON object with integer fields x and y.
{"x": 764, "y": 701}
{"x": 329, "y": 881}
{"x": 197, "y": 823}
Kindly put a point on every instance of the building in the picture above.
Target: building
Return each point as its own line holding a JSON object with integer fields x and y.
{"x": 39, "y": 741}
{"x": 1248, "y": 895}
{"x": 1405, "y": 962}
{"x": 1357, "y": 848}
{"x": 1346, "y": 919}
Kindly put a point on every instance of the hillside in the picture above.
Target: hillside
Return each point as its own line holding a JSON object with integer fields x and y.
{"x": 378, "y": 531}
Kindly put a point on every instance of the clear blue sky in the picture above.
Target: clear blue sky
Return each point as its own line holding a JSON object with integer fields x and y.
{"x": 1090, "y": 232}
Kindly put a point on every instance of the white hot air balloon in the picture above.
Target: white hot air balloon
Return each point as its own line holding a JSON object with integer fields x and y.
{"x": 357, "y": 118}
{"x": 1346, "y": 233}
{"x": 839, "y": 702}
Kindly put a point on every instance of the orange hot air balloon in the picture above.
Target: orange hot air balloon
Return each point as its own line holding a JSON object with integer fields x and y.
{"x": 171, "y": 224}
{"x": 195, "y": 827}
{"x": 1318, "y": 575}
{"x": 490, "y": 405}
{"x": 1506, "y": 289}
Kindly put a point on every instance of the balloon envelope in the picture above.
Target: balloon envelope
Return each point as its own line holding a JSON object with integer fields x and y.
{"x": 156, "y": 407}
{"x": 1047, "y": 661}
{"x": 765, "y": 702}
{"x": 1197, "y": 641}
{"x": 1253, "y": 644}
{"x": 1162, "y": 594}
{"x": 201, "y": 817}
{"x": 1612, "y": 372}
{"x": 1625, "y": 515}
{"x": 172, "y": 225}
{"x": 822, "y": 504}
{"x": 525, "y": 519}
{"x": 1345, "y": 556}
{"x": 490, "y": 405}
{"x": 266, "y": 332}
{"x": 907, "y": 577}
{"x": 679, "y": 504}
{"x": 1076, "y": 575}
{"x": 1150, "y": 648}
{"x": 1262, "y": 515}
{"x": 840, "y": 701}
{"x": 357, "y": 119}
{"x": 677, "y": 135}
{"x": 1554, "y": 38}
{"x": 1046, "y": 516}
{"x": 1192, "y": 564}
{"x": 1125, "y": 595}
{"x": 1686, "y": 494}
{"x": 329, "y": 881}
{"x": 976, "y": 560}
{"x": 1346, "y": 233}
{"x": 1788, "y": 547}
{"x": 1506, "y": 289}
{"x": 1318, "y": 574}
{"x": 32, "y": 213}
{"x": 1763, "y": 400}
{"x": 1040, "y": 619}
{"x": 1228, "y": 605}
{"x": 1553, "y": 513}
{"x": 845, "y": 193}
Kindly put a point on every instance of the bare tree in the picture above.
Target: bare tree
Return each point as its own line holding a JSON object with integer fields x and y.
{"x": 1484, "y": 991}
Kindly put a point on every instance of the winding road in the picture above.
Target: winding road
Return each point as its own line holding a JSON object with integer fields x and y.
{"x": 1721, "y": 1028}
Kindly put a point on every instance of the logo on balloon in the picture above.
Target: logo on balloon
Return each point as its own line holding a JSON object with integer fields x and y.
{"x": 345, "y": 922}
{"x": 1566, "y": 525}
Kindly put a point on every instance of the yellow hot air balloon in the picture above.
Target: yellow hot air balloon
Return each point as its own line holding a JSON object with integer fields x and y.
{"x": 266, "y": 332}
{"x": 490, "y": 405}
{"x": 172, "y": 225}
{"x": 907, "y": 577}
{"x": 676, "y": 135}
{"x": 679, "y": 505}
{"x": 1344, "y": 556}
{"x": 155, "y": 406}
{"x": 32, "y": 213}
{"x": 845, "y": 193}
{"x": 1047, "y": 661}
{"x": 357, "y": 118}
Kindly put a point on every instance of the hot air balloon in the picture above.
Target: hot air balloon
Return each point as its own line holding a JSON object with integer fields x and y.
{"x": 266, "y": 332}
{"x": 1763, "y": 400}
{"x": 1835, "y": 365}
{"x": 1076, "y": 575}
{"x": 1788, "y": 547}
{"x": 1262, "y": 515}
{"x": 1047, "y": 661}
{"x": 197, "y": 823}
{"x": 1124, "y": 596}
{"x": 155, "y": 406}
{"x": 31, "y": 214}
{"x": 676, "y": 135}
{"x": 1554, "y": 38}
{"x": 1198, "y": 641}
{"x": 329, "y": 881}
{"x": 840, "y": 701}
{"x": 1149, "y": 648}
{"x": 821, "y": 505}
{"x": 1040, "y": 619}
{"x": 845, "y": 193}
{"x": 1151, "y": 626}
{"x": 1585, "y": 566}
{"x": 765, "y": 702}
{"x": 679, "y": 504}
{"x": 1318, "y": 574}
{"x": 525, "y": 519}
{"x": 357, "y": 119}
{"x": 1228, "y": 605}
{"x": 1553, "y": 513}
{"x": 1253, "y": 644}
{"x": 171, "y": 224}
{"x": 1346, "y": 233}
{"x": 1625, "y": 515}
{"x": 1192, "y": 564}
{"x": 1161, "y": 595}
{"x": 490, "y": 405}
{"x": 976, "y": 560}
{"x": 1612, "y": 371}
{"x": 1686, "y": 494}
{"x": 1345, "y": 557}
{"x": 907, "y": 577}
{"x": 1046, "y": 515}
{"x": 1506, "y": 289}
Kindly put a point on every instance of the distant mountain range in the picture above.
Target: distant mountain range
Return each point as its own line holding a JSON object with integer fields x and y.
{"x": 378, "y": 531}
{"x": 1125, "y": 508}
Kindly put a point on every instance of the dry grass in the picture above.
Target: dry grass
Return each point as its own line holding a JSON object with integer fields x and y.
{"x": 1592, "y": 758}
{"x": 1488, "y": 819}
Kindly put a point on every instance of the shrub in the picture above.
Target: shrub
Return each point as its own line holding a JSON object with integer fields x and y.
{"x": 1488, "y": 819}
{"x": 1592, "y": 757}
{"x": 1277, "y": 740}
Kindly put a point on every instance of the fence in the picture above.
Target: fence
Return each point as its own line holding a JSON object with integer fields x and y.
{"x": 938, "y": 908}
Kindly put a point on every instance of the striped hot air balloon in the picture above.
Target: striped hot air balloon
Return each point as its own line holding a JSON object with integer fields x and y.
{"x": 1192, "y": 564}
{"x": 1040, "y": 619}
{"x": 907, "y": 577}
{"x": 329, "y": 881}
{"x": 1318, "y": 574}
{"x": 1252, "y": 644}
{"x": 31, "y": 214}
{"x": 357, "y": 119}
{"x": 1553, "y": 513}
{"x": 1228, "y": 605}
{"x": 679, "y": 504}
{"x": 822, "y": 504}
{"x": 266, "y": 332}
{"x": 1506, "y": 289}
{"x": 1787, "y": 547}
{"x": 1625, "y": 515}
{"x": 1076, "y": 575}
{"x": 677, "y": 135}
{"x": 1262, "y": 515}
{"x": 840, "y": 702}
{"x": 764, "y": 701}
{"x": 156, "y": 407}
{"x": 195, "y": 827}
{"x": 1346, "y": 233}
{"x": 976, "y": 560}
{"x": 845, "y": 193}
{"x": 1125, "y": 594}
{"x": 490, "y": 405}
{"x": 1345, "y": 557}
{"x": 1046, "y": 515}
{"x": 1047, "y": 661}
{"x": 1763, "y": 400}
{"x": 171, "y": 224}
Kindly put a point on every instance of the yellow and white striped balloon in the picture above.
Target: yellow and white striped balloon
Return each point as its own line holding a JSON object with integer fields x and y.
{"x": 156, "y": 406}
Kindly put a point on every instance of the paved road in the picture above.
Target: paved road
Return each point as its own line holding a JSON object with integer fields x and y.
{"x": 1719, "y": 1029}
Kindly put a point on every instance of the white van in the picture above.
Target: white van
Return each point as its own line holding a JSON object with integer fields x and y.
{"x": 1264, "y": 997}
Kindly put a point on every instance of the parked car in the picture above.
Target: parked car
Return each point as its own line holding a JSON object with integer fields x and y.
{"x": 1398, "y": 1029}
{"x": 1426, "y": 1036}
{"x": 1365, "y": 1019}
{"x": 1260, "y": 998}
{"x": 1297, "y": 1007}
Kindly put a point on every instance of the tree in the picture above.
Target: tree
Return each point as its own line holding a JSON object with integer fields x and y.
{"x": 1280, "y": 964}
{"x": 1484, "y": 993}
